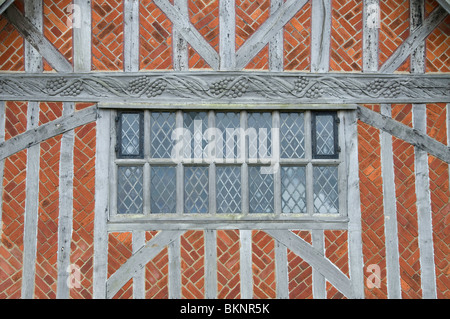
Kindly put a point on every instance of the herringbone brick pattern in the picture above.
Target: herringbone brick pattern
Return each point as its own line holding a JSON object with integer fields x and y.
{"x": 300, "y": 272}
{"x": 11, "y": 47}
{"x": 157, "y": 274}
{"x": 250, "y": 15}
{"x": 47, "y": 235}
{"x": 204, "y": 16}
{"x": 11, "y": 245}
{"x": 438, "y": 48}
{"x": 346, "y": 36}
{"x": 263, "y": 258}
{"x": 107, "y": 35}
{"x": 440, "y": 199}
{"x": 336, "y": 250}
{"x": 372, "y": 211}
{"x": 406, "y": 208}
{"x": 57, "y": 27}
{"x": 297, "y": 41}
{"x": 119, "y": 250}
{"x": 155, "y": 38}
{"x": 193, "y": 265}
{"x": 394, "y": 29}
{"x": 82, "y": 245}
{"x": 228, "y": 265}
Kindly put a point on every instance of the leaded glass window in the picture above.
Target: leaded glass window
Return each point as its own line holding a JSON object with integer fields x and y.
{"x": 183, "y": 164}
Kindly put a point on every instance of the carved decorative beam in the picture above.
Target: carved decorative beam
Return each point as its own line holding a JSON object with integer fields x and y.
{"x": 166, "y": 88}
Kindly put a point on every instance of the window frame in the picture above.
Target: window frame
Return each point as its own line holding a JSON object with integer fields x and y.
{"x": 227, "y": 220}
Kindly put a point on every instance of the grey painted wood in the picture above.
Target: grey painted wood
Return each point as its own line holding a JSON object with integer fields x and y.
{"x": 412, "y": 136}
{"x": 276, "y": 47}
{"x": 138, "y": 261}
{"x": 65, "y": 206}
{"x": 187, "y": 89}
{"x": 36, "y": 135}
{"x": 210, "y": 264}
{"x": 82, "y": 37}
{"x": 31, "y": 207}
{"x": 320, "y": 35}
{"x": 174, "y": 269}
{"x": 227, "y": 36}
{"x": 131, "y": 35}
{"x": 448, "y": 136}
{"x": 4, "y": 4}
{"x": 356, "y": 263}
{"x": 265, "y": 33}
{"x": 424, "y": 214}
{"x": 313, "y": 257}
{"x": 246, "y": 264}
{"x": 390, "y": 211}
{"x": 281, "y": 271}
{"x": 2, "y": 161}
{"x": 33, "y": 36}
{"x": 225, "y": 223}
{"x": 414, "y": 40}
{"x": 139, "y": 276}
{"x": 319, "y": 284}
{"x": 101, "y": 204}
{"x": 371, "y": 25}
{"x": 190, "y": 34}
{"x": 445, "y": 4}
{"x": 180, "y": 45}
{"x": 417, "y": 16}
{"x": 34, "y": 14}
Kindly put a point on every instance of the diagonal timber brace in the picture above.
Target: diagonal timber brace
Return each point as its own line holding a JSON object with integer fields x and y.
{"x": 139, "y": 259}
{"x": 315, "y": 259}
{"x": 41, "y": 133}
{"x": 412, "y": 136}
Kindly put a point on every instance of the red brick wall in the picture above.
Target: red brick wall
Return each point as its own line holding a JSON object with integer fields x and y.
{"x": 156, "y": 54}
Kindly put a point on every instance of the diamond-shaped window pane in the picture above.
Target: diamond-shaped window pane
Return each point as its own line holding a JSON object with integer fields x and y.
{"x": 163, "y": 189}
{"x": 196, "y": 183}
{"x": 130, "y": 134}
{"x": 162, "y": 126}
{"x": 260, "y": 140}
{"x": 292, "y": 135}
{"x": 130, "y": 190}
{"x": 228, "y": 189}
{"x": 326, "y": 190}
{"x": 260, "y": 190}
{"x": 197, "y": 124}
{"x": 293, "y": 190}
{"x": 325, "y": 143}
{"x": 229, "y": 125}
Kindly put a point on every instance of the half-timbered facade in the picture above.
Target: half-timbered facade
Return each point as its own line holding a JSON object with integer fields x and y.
{"x": 224, "y": 149}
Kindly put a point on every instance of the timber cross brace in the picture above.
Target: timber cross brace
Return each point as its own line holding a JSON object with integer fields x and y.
{"x": 226, "y": 88}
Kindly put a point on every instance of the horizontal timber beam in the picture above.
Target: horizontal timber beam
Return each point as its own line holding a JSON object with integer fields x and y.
{"x": 43, "y": 132}
{"x": 227, "y": 88}
{"x": 37, "y": 40}
{"x": 399, "y": 130}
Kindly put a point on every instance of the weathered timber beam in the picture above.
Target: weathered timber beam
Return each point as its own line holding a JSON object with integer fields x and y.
{"x": 399, "y": 130}
{"x": 445, "y": 4}
{"x": 315, "y": 259}
{"x": 165, "y": 88}
{"x": 415, "y": 39}
{"x": 139, "y": 259}
{"x": 190, "y": 34}
{"x": 37, "y": 40}
{"x": 267, "y": 31}
{"x": 4, "y": 4}
{"x": 43, "y": 132}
